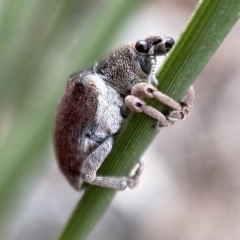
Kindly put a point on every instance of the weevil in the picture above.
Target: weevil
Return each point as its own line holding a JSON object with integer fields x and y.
{"x": 96, "y": 102}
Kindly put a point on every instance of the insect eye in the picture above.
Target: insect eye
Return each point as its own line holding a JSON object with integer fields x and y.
{"x": 142, "y": 46}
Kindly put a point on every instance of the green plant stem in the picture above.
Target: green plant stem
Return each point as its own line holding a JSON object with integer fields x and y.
{"x": 208, "y": 27}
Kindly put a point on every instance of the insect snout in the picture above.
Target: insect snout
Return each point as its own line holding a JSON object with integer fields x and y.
{"x": 169, "y": 42}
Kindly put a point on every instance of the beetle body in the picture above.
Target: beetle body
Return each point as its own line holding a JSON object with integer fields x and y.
{"x": 93, "y": 107}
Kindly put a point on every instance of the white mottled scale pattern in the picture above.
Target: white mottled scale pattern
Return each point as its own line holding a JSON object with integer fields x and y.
{"x": 108, "y": 115}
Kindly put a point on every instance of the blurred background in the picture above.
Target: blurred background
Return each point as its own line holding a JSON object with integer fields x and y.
{"x": 190, "y": 189}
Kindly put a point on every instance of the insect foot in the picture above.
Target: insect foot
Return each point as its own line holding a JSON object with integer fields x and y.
{"x": 141, "y": 90}
{"x": 94, "y": 107}
{"x": 133, "y": 181}
{"x": 186, "y": 103}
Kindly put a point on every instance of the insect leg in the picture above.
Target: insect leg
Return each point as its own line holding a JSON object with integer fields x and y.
{"x": 180, "y": 110}
{"x": 94, "y": 161}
